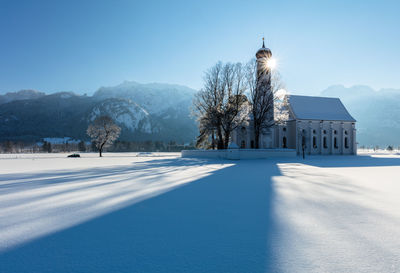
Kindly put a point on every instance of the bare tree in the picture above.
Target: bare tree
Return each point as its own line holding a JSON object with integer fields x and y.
{"x": 103, "y": 132}
{"x": 207, "y": 106}
{"x": 263, "y": 85}
{"x": 219, "y": 105}
{"x": 234, "y": 100}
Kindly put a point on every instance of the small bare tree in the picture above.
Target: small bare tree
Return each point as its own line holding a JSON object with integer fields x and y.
{"x": 103, "y": 132}
{"x": 263, "y": 85}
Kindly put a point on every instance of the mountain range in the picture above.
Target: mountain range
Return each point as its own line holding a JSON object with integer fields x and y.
{"x": 377, "y": 113}
{"x": 162, "y": 112}
{"x": 144, "y": 112}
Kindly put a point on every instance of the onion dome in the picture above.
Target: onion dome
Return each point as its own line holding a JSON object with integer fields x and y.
{"x": 263, "y": 52}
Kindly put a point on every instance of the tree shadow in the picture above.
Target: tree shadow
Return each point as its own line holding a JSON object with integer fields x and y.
{"x": 223, "y": 222}
{"x": 351, "y": 161}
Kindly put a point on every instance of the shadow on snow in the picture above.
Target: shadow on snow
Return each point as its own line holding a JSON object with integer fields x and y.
{"x": 219, "y": 223}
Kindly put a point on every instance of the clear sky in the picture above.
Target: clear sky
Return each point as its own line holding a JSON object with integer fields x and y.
{"x": 81, "y": 45}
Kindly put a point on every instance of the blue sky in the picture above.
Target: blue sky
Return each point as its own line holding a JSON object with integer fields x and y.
{"x": 81, "y": 45}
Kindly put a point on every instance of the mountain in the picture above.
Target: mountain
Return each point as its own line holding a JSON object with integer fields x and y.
{"x": 156, "y": 98}
{"x": 144, "y": 112}
{"x": 162, "y": 112}
{"x": 168, "y": 106}
{"x": 377, "y": 113}
{"x": 20, "y": 95}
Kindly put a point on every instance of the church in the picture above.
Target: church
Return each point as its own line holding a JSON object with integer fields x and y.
{"x": 317, "y": 125}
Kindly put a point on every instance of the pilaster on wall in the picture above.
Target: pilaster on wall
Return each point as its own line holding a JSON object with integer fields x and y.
{"x": 311, "y": 135}
{"x": 332, "y": 137}
{"x": 321, "y": 138}
{"x": 298, "y": 135}
{"x": 343, "y": 136}
{"x": 354, "y": 146}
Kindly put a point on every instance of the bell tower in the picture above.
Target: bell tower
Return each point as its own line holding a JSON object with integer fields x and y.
{"x": 264, "y": 68}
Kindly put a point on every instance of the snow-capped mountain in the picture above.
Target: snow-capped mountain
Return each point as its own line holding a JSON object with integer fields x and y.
{"x": 20, "y": 95}
{"x": 144, "y": 112}
{"x": 377, "y": 112}
{"x": 162, "y": 112}
{"x": 124, "y": 112}
{"x": 155, "y": 98}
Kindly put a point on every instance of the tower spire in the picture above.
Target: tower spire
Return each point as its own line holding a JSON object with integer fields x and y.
{"x": 263, "y": 43}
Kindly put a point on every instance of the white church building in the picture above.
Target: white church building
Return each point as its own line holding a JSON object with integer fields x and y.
{"x": 319, "y": 125}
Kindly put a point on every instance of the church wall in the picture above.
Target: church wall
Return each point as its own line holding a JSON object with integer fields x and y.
{"x": 349, "y": 133}
{"x": 335, "y": 134}
{"x": 325, "y": 137}
{"x": 291, "y": 133}
{"x": 315, "y": 136}
{"x": 301, "y": 130}
{"x": 325, "y": 132}
{"x": 243, "y": 136}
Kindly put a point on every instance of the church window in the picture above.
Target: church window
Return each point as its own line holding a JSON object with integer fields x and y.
{"x": 243, "y": 130}
{"x": 325, "y": 144}
{"x": 335, "y": 143}
{"x": 346, "y": 143}
{"x": 284, "y": 144}
{"x": 243, "y": 144}
{"x": 335, "y": 132}
{"x": 252, "y": 144}
{"x": 284, "y": 129}
{"x": 324, "y": 132}
{"x": 314, "y": 132}
{"x": 314, "y": 141}
{"x": 345, "y": 132}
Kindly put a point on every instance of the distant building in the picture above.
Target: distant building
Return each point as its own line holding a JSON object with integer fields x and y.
{"x": 320, "y": 125}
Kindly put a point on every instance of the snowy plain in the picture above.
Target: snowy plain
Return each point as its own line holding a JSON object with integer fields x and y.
{"x": 158, "y": 212}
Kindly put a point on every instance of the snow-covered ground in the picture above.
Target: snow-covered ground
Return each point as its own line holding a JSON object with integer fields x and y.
{"x": 161, "y": 213}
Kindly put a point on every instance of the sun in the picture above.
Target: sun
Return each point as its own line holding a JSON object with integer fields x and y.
{"x": 271, "y": 63}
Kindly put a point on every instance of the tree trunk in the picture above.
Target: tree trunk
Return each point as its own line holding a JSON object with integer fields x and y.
{"x": 101, "y": 150}
{"x": 220, "y": 144}
{"x": 256, "y": 136}
{"x": 213, "y": 140}
{"x": 257, "y": 140}
{"x": 227, "y": 136}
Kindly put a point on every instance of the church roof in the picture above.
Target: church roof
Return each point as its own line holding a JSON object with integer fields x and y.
{"x": 318, "y": 108}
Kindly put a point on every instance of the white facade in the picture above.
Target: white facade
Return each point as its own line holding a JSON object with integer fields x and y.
{"x": 320, "y": 125}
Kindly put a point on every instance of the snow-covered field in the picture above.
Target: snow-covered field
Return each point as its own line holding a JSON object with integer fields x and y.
{"x": 162, "y": 213}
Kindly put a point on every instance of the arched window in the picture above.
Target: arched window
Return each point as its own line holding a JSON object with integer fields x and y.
{"x": 346, "y": 144}
{"x": 284, "y": 129}
{"x": 284, "y": 144}
{"x": 314, "y": 132}
{"x": 324, "y": 132}
{"x": 252, "y": 144}
{"x": 345, "y": 132}
{"x": 325, "y": 144}
{"x": 314, "y": 142}
{"x": 335, "y": 143}
{"x": 243, "y": 144}
{"x": 335, "y": 132}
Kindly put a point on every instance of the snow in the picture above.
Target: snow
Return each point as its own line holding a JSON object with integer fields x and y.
{"x": 60, "y": 140}
{"x": 124, "y": 112}
{"x": 65, "y": 96}
{"x": 233, "y": 145}
{"x": 160, "y": 213}
{"x": 318, "y": 108}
